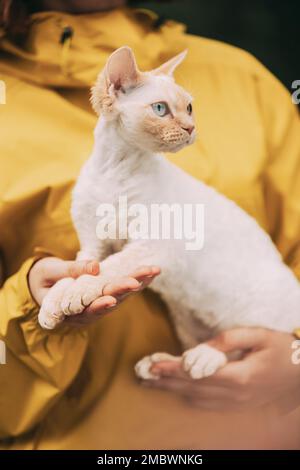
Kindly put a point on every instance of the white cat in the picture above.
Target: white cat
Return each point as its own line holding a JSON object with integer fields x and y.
{"x": 237, "y": 279}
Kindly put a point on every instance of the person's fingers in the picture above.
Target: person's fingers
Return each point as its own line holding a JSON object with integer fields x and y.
{"x": 118, "y": 288}
{"x": 239, "y": 339}
{"x": 101, "y": 305}
{"x": 56, "y": 269}
{"x": 234, "y": 374}
{"x": 145, "y": 275}
{"x": 171, "y": 384}
{"x": 143, "y": 272}
{"x": 121, "y": 286}
{"x": 146, "y": 281}
{"x": 169, "y": 369}
{"x": 206, "y": 397}
{"x": 78, "y": 268}
{"x": 220, "y": 378}
{"x": 190, "y": 388}
{"x": 112, "y": 292}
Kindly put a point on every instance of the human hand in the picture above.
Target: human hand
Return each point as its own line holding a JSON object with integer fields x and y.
{"x": 46, "y": 272}
{"x": 265, "y": 374}
{"x": 114, "y": 293}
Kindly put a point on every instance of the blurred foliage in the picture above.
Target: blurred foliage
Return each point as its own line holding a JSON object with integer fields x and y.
{"x": 269, "y": 29}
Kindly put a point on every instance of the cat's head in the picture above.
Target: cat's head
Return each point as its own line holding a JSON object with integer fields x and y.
{"x": 149, "y": 109}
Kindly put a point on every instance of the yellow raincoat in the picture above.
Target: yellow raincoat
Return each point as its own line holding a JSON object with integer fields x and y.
{"x": 75, "y": 388}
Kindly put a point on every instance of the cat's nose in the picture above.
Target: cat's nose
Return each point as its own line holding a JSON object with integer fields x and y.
{"x": 189, "y": 129}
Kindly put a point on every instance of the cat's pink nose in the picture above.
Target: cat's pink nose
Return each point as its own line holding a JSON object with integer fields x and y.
{"x": 189, "y": 129}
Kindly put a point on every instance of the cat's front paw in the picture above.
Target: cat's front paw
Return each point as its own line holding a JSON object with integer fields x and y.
{"x": 203, "y": 361}
{"x": 82, "y": 293}
{"x": 143, "y": 367}
{"x": 50, "y": 314}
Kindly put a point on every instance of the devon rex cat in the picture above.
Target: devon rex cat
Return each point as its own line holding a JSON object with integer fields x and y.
{"x": 237, "y": 279}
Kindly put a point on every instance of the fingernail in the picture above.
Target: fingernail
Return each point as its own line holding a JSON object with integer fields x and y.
{"x": 92, "y": 268}
{"x": 137, "y": 288}
{"x": 111, "y": 305}
{"x": 155, "y": 268}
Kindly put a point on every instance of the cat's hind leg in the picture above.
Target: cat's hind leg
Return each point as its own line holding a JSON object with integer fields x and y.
{"x": 198, "y": 362}
{"x": 202, "y": 361}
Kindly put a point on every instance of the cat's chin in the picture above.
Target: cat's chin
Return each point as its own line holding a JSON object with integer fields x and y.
{"x": 167, "y": 148}
{"x": 178, "y": 147}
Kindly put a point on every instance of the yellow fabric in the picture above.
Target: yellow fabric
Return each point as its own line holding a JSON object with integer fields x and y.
{"x": 76, "y": 388}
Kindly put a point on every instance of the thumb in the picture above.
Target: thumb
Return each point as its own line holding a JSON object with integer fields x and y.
{"x": 59, "y": 269}
{"x": 238, "y": 339}
{"x": 77, "y": 268}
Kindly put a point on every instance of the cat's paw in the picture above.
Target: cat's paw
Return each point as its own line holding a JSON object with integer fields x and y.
{"x": 203, "y": 361}
{"x": 82, "y": 293}
{"x": 50, "y": 314}
{"x": 143, "y": 367}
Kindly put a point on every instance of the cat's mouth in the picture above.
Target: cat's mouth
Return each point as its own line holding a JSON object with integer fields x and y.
{"x": 171, "y": 141}
{"x": 180, "y": 144}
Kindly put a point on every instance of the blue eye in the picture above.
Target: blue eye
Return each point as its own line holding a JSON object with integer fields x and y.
{"x": 161, "y": 109}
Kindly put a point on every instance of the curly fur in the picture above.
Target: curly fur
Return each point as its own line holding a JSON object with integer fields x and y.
{"x": 237, "y": 279}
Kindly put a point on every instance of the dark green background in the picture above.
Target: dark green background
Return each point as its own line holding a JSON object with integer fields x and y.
{"x": 269, "y": 29}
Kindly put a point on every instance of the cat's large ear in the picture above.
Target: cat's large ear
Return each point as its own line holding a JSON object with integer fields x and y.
{"x": 168, "y": 68}
{"x": 120, "y": 74}
{"x": 121, "y": 70}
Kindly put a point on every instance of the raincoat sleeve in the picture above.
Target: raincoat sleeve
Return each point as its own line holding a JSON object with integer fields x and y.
{"x": 40, "y": 365}
{"x": 282, "y": 170}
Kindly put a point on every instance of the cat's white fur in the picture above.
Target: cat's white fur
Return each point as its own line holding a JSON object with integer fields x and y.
{"x": 237, "y": 279}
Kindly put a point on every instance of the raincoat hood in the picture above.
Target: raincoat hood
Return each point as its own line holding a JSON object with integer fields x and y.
{"x": 63, "y": 50}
